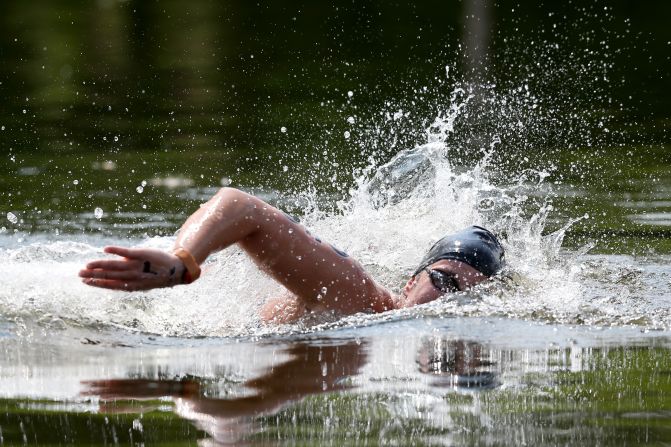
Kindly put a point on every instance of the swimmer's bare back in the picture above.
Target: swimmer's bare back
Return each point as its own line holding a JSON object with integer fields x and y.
{"x": 317, "y": 275}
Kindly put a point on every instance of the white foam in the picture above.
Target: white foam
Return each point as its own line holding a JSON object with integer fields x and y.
{"x": 392, "y": 216}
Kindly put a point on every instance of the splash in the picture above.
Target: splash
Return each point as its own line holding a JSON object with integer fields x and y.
{"x": 43, "y": 292}
{"x": 401, "y": 207}
{"x": 391, "y": 216}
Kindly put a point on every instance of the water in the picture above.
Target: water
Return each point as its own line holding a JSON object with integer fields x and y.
{"x": 401, "y": 207}
{"x": 431, "y": 379}
{"x": 547, "y": 124}
{"x": 569, "y": 346}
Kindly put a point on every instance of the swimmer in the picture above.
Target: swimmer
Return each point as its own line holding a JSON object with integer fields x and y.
{"x": 318, "y": 277}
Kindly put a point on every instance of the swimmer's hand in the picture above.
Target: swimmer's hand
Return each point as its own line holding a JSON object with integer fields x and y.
{"x": 140, "y": 269}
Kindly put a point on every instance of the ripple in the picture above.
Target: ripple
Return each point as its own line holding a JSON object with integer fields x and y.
{"x": 660, "y": 219}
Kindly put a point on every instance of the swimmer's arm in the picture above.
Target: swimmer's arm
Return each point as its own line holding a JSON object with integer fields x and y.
{"x": 316, "y": 273}
{"x": 284, "y": 309}
{"x": 226, "y": 218}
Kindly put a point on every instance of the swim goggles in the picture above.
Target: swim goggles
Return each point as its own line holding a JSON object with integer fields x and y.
{"x": 443, "y": 281}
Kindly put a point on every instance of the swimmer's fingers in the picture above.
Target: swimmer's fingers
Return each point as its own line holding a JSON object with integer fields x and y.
{"x": 138, "y": 254}
{"x": 110, "y": 264}
{"x": 140, "y": 269}
{"x": 114, "y": 284}
{"x": 127, "y": 275}
{"x": 130, "y": 253}
{"x": 158, "y": 259}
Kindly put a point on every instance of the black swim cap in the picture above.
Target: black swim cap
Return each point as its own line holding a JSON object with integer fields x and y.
{"x": 474, "y": 245}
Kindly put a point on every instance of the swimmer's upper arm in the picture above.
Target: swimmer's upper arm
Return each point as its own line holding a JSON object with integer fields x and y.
{"x": 317, "y": 273}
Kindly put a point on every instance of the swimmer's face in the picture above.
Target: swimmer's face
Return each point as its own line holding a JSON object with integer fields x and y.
{"x": 421, "y": 289}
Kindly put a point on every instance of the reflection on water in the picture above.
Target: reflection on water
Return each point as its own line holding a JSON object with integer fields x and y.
{"x": 243, "y": 409}
{"x": 120, "y": 117}
{"x": 305, "y": 370}
{"x": 456, "y": 363}
{"x": 426, "y": 381}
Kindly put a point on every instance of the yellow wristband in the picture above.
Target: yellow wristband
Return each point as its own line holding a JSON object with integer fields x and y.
{"x": 191, "y": 267}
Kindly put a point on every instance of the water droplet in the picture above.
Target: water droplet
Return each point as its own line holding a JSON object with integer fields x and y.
{"x": 144, "y": 182}
{"x": 25, "y": 111}
{"x": 285, "y": 168}
{"x": 98, "y": 213}
{"x": 116, "y": 138}
{"x": 139, "y": 189}
{"x": 283, "y": 129}
{"x": 347, "y": 134}
{"x": 12, "y": 217}
{"x": 324, "y": 290}
{"x": 350, "y": 93}
{"x": 2, "y": 128}
{"x": 350, "y": 120}
{"x": 291, "y": 230}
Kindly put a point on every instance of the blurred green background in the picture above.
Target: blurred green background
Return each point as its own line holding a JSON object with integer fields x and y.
{"x": 142, "y": 108}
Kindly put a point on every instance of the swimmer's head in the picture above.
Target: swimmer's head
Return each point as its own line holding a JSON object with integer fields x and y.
{"x": 476, "y": 246}
{"x": 456, "y": 262}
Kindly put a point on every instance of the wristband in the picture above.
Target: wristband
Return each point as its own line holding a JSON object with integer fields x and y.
{"x": 191, "y": 267}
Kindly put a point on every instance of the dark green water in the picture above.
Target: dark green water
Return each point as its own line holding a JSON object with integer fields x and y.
{"x": 201, "y": 92}
{"x": 144, "y": 109}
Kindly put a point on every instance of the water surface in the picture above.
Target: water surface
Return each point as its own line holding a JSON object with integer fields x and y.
{"x": 381, "y": 126}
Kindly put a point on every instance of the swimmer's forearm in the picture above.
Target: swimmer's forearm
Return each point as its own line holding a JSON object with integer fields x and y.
{"x": 228, "y": 217}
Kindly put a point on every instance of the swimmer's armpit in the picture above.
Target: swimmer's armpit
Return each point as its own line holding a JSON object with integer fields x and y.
{"x": 285, "y": 309}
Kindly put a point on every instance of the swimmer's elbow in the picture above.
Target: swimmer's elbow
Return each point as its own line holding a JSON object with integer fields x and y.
{"x": 227, "y": 196}
{"x": 229, "y": 193}
{"x": 231, "y": 202}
